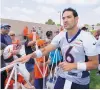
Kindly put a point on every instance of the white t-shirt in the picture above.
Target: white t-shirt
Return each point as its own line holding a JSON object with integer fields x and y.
{"x": 83, "y": 44}
{"x": 8, "y": 51}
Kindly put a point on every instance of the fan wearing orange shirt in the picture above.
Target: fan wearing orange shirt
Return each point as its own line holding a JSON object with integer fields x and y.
{"x": 25, "y": 32}
{"x": 42, "y": 64}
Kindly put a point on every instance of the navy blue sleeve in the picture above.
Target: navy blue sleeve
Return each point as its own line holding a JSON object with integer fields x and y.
{"x": 2, "y": 39}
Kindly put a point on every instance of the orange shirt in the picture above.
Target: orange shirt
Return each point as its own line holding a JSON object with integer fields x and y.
{"x": 20, "y": 79}
{"x": 25, "y": 31}
{"x": 30, "y": 36}
{"x": 43, "y": 69}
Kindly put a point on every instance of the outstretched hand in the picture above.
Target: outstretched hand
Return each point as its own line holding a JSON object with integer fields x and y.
{"x": 23, "y": 59}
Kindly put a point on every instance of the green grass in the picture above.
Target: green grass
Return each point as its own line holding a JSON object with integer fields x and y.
{"x": 95, "y": 80}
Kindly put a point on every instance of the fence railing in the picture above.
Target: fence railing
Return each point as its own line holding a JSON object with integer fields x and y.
{"x": 14, "y": 70}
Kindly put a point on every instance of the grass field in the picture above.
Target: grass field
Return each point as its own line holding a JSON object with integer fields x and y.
{"x": 95, "y": 80}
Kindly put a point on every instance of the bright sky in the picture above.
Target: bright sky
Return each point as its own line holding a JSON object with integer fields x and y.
{"x": 39, "y": 11}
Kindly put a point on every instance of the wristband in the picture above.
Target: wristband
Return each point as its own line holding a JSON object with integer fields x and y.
{"x": 38, "y": 53}
{"x": 81, "y": 66}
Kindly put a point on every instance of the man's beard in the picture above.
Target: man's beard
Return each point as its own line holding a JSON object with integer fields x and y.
{"x": 71, "y": 27}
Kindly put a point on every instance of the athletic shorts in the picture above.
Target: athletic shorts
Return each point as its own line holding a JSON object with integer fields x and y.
{"x": 38, "y": 83}
{"x": 99, "y": 58}
{"x": 30, "y": 65}
{"x": 62, "y": 83}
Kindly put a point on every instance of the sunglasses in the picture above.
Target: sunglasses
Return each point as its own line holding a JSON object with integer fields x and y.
{"x": 12, "y": 35}
{"x": 7, "y": 28}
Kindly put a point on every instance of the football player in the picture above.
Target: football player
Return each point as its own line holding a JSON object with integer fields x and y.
{"x": 75, "y": 45}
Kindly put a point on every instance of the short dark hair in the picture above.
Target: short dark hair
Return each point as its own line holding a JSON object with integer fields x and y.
{"x": 75, "y": 14}
{"x": 84, "y": 28}
{"x": 49, "y": 33}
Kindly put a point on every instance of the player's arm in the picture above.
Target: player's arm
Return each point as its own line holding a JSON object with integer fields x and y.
{"x": 90, "y": 51}
{"x": 45, "y": 50}
{"x": 54, "y": 44}
{"x": 92, "y": 62}
{"x": 37, "y": 54}
{"x": 41, "y": 52}
{"x": 83, "y": 66}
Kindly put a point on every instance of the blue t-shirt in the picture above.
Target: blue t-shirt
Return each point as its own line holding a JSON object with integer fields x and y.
{"x": 5, "y": 39}
{"x": 55, "y": 56}
{"x": 28, "y": 50}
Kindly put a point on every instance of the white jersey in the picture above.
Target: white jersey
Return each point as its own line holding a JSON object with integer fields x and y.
{"x": 8, "y": 52}
{"x": 74, "y": 50}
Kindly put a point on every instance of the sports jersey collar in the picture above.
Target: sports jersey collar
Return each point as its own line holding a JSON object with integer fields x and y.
{"x": 73, "y": 37}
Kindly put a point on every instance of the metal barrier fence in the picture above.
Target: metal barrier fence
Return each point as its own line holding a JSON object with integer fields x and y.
{"x": 14, "y": 70}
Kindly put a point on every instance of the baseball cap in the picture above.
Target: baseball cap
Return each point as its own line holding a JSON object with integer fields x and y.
{"x": 40, "y": 42}
{"x": 5, "y": 25}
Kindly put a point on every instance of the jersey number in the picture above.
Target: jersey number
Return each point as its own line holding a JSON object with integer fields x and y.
{"x": 68, "y": 54}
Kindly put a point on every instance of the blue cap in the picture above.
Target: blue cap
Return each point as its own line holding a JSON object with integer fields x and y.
{"x": 5, "y": 25}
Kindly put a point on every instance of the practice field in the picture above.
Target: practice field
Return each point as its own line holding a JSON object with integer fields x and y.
{"x": 95, "y": 80}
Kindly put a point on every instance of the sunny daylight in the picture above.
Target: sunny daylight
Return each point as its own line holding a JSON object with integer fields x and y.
{"x": 50, "y": 44}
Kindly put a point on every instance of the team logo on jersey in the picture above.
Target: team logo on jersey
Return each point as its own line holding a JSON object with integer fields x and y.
{"x": 78, "y": 42}
{"x": 94, "y": 43}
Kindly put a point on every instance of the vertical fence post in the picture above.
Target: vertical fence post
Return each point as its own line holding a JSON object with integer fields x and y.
{"x": 44, "y": 73}
{"x": 15, "y": 76}
{"x": 9, "y": 78}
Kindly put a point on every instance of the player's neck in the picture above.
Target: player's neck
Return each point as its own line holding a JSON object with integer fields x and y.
{"x": 72, "y": 31}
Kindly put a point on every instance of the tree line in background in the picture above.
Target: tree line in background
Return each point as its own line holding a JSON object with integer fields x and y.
{"x": 51, "y": 22}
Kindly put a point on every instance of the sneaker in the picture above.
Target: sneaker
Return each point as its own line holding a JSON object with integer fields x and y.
{"x": 54, "y": 78}
{"x": 51, "y": 80}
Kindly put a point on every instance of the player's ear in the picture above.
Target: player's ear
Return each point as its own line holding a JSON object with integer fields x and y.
{"x": 76, "y": 19}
